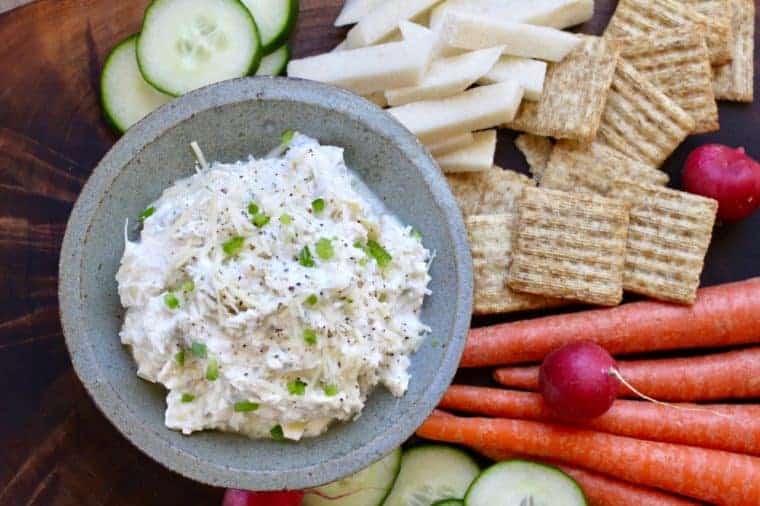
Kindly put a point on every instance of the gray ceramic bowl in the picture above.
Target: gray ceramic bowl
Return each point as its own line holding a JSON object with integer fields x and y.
{"x": 230, "y": 120}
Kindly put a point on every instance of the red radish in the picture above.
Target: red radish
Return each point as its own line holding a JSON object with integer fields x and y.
{"x": 577, "y": 381}
{"x": 234, "y": 497}
{"x": 727, "y": 175}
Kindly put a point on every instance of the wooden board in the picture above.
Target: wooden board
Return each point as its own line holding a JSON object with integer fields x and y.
{"x": 55, "y": 447}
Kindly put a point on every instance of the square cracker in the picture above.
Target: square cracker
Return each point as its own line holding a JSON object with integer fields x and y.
{"x": 668, "y": 236}
{"x": 490, "y": 238}
{"x": 640, "y": 120}
{"x": 633, "y": 18}
{"x": 677, "y": 62}
{"x": 592, "y": 168}
{"x": 536, "y": 150}
{"x": 569, "y": 245}
{"x": 574, "y": 94}
{"x": 488, "y": 192}
{"x": 735, "y": 80}
{"x": 718, "y": 13}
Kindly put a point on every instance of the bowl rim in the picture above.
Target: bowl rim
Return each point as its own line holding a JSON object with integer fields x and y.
{"x": 150, "y": 129}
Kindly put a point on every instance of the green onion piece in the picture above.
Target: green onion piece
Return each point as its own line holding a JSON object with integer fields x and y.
{"x": 212, "y": 369}
{"x": 253, "y": 209}
{"x": 188, "y": 286}
{"x": 416, "y": 234}
{"x": 171, "y": 301}
{"x": 245, "y": 406}
{"x": 287, "y": 136}
{"x": 296, "y": 387}
{"x": 330, "y": 390}
{"x": 199, "y": 350}
{"x": 305, "y": 258}
{"x": 286, "y": 219}
{"x": 233, "y": 246}
{"x": 324, "y": 249}
{"x": 363, "y": 262}
{"x": 358, "y": 244}
{"x": 312, "y": 300}
{"x": 309, "y": 336}
{"x": 276, "y": 433}
{"x": 146, "y": 213}
{"x": 188, "y": 397}
{"x": 381, "y": 256}
{"x": 180, "y": 358}
{"x": 318, "y": 205}
{"x": 260, "y": 219}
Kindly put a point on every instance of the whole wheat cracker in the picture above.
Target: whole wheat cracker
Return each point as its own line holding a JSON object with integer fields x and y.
{"x": 640, "y": 120}
{"x": 735, "y": 81}
{"x": 574, "y": 95}
{"x": 592, "y": 168}
{"x": 641, "y": 17}
{"x": 490, "y": 237}
{"x": 668, "y": 236}
{"x": 718, "y": 13}
{"x": 536, "y": 150}
{"x": 569, "y": 245}
{"x": 488, "y": 192}
{"x": 678, "y": 63}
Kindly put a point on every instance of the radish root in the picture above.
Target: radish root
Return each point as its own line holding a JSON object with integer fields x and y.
{"x": 616, "y": 373}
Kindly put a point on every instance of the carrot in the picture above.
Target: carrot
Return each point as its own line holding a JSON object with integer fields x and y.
{"x": 733, "y": 374}
{"x": 738, "y": 432}
{"x": 601, "y": 490}
{"x": 708, "y": 475}
{"x": 723, "y": 315}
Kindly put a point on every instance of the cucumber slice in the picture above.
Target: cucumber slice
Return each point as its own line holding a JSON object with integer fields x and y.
{"x": 275, "y": 62}
{"x": 188, "y": 44}
{"x": 275, "y": 19}
{"x": 448, "y": 502}
{"x": 432, "y": 473}
{"x": 365, "y": 488}
{"x": 125, "y": 95}
{"x": 524, "y": 483}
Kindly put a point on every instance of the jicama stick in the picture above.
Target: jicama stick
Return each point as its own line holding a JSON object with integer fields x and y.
{"x": 601, "y": 490}
{"x": 473, "y": 31}
{"x": 354, "y": 10}
{"x": 475, "y": 109}
{"x": 369, "y": 69}
{"x": 553, "y": 13}
{"x": 529, "y": 73}
{"x": 384, "y": 20}
{"x": 450, "y": 144}
{"x": 729, "y": 375}
{"x": 738, "y": 431}
{"x": 723, "y": 315}
{"x": 478, "y": 156}
{"x": 446, "y": 77}
{"x": 715, "y": 476}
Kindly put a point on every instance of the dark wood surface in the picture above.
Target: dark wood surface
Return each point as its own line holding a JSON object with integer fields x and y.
{"x": 55, "y": 447}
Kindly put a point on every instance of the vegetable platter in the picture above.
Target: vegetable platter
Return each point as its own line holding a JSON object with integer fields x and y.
{"x": 51, "y": 135}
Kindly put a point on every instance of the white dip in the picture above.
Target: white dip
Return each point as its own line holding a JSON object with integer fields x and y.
{"x": 270, "y": 296}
